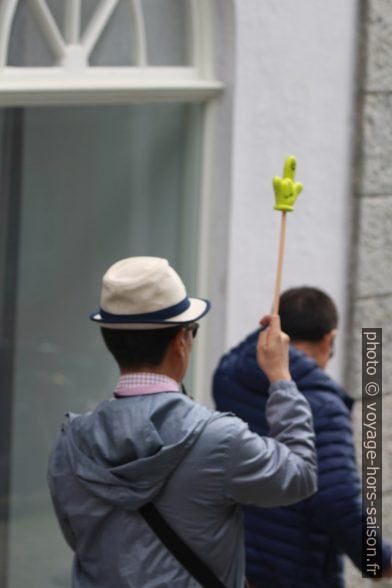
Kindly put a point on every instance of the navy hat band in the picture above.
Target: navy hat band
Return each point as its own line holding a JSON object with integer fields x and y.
{"x": 156, "y": 316}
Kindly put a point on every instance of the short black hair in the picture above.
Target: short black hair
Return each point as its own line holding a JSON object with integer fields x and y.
{"x": 133, "y": 348}
{"x": 307, "y": 314}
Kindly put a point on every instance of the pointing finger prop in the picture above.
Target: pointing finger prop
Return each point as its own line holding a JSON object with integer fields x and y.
{"x": 286, "y": 189}
{"x": 286, "y": 193}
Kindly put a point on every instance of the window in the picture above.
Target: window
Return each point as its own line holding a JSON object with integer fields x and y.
{"x": 105, "y": 50}
{"x": 102, "y": 129}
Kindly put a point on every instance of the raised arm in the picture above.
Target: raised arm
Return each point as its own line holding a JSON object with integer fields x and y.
{"x": 283, "y": 469}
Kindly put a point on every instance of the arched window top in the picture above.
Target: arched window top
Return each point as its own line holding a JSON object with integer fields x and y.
{"x": 89, "y": 48}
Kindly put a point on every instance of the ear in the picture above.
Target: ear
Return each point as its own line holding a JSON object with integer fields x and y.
{"x": 328, "y": 339}
{"x": 178, "y": 343}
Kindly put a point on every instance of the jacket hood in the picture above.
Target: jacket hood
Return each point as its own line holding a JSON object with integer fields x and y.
{"x": 124, "y": 451}
{"x": 241, "y": 365}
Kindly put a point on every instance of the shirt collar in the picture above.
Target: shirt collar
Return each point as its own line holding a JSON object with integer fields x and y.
{"x": 140, "y": 383}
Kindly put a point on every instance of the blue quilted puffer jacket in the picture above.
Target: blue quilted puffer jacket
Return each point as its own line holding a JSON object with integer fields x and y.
{"x": 299, "y": 546}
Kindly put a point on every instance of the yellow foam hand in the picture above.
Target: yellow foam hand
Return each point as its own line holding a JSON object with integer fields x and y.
{"x": 286, "y": 189}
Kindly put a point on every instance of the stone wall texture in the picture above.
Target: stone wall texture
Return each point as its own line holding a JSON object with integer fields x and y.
{"x": 371, "y": 291}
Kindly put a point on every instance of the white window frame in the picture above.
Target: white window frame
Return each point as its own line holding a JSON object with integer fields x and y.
{"x": 72, "y": 80}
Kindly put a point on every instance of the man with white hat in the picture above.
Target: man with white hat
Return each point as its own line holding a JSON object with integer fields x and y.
{"x": 147, "y": 487}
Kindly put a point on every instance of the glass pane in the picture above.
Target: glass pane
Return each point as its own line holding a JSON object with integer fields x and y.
{"x": 28, "y": 47}
{"x": 167, "y": 33}
{"x": 114, "y": 46}
{"x": 167, "y": 27}
{"x": 99, "y": 184}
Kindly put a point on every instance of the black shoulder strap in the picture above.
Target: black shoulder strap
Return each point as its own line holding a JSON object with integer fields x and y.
{"x": 178, "y": 548}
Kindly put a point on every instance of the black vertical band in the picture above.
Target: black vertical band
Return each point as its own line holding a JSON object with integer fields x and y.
{"x": 11, "y": 145}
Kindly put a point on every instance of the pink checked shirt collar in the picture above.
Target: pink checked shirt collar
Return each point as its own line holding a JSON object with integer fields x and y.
{"x": 144, "y": 383}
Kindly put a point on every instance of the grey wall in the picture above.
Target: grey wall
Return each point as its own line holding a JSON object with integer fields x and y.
{"x": 372, "y": 239}
{"x": 371, "y": 291}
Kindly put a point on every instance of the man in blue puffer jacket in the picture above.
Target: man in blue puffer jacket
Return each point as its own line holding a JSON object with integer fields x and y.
{"x": 301, "y": 546}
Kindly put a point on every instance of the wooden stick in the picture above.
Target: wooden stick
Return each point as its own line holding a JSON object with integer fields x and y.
{"x": 278, "y": 279}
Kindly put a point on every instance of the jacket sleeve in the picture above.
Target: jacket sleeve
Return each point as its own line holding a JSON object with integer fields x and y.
{"x": 280, "y": 470}
{"x": 336, "y": 509}
{"x": 65, "y": 526}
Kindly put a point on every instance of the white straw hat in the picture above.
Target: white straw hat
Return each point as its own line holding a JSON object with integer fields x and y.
{"x": 146, "y": 293}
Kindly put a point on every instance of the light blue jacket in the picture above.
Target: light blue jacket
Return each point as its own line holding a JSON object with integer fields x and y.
{"x": 195, "y": 464}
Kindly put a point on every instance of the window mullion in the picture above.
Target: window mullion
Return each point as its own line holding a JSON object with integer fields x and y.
{"x": 49, "y": 28}
{"x": 140, "y": 47}
{"x": 7, "y": 13}
{"x": 72, "y": 12}
{"x": 97, "y": 24}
